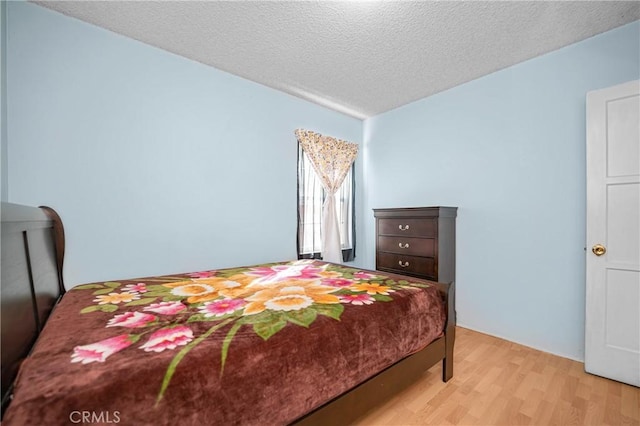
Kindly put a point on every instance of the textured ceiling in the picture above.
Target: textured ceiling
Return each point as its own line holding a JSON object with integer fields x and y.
{"x": 361, "y": 58}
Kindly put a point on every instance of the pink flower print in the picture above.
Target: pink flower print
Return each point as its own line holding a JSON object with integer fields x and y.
{"x": 337, "y": 282}
{"x": 203, "y": 274}
{"x": 165, "y": 308}
{"x": 364, "y": 276}
{"x": 136, "y": 288}
{"x": 131, "y": 320}
{"x": 357, "y": 299}
{"x": 221, "y": 307}
{"x": 100, "y": 351}
{"x": 168, "y": 338}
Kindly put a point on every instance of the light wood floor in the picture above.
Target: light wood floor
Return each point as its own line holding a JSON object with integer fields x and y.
{"x": 497, "y": 382}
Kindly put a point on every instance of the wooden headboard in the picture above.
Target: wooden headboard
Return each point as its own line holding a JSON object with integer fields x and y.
{"x": 32, "y": 259}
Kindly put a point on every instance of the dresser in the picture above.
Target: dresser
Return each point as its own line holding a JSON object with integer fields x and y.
{"x": 417, "y": 241}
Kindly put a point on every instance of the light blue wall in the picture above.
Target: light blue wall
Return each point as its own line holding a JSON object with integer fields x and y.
{"x": 3, "y": 103}
{"x": 157, "y": 164}
{"x": 509, "y": 150}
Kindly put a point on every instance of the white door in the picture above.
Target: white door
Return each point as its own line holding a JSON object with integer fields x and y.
{"x": 612, "y": 334}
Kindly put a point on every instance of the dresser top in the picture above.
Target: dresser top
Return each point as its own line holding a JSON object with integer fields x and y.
{"x": 434, "y": 211}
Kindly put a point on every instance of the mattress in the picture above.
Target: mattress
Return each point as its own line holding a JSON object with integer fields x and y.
{"x": 261, "y": 344}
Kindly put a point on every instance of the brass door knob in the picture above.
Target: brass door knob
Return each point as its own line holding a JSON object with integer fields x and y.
{"x": 598, "y": 250}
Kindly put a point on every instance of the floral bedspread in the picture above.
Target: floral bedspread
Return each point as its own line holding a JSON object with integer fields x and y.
{"x": 254, "y": 345}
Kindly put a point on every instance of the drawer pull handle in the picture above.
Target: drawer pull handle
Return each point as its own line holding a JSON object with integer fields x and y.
{"x": 406, "y": 245}
{"x": 404, "y": 265}
{"x": 400, "y": 227}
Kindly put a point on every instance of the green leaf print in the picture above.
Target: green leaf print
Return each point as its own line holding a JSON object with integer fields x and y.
{"x": 227, "y": 341}
{"x": 103, "y": 291}
{"x": 172, "y": 298}
{"x": 268, "y": 329}
{"x": 90, "y": 309}
{"x": 382, "y": 298}
{"x": 156, "y": 294}
{"x": 330, "y": 310}
{"x": 101, "y": 308}
{"x": 144, "y": 301}
{"x": 302, "y": 317}
{"x": 176, "y": 359}
{"x": 200, "y": 318}
{"x": 88, "y": 286}
{"x": 157, "y": 288}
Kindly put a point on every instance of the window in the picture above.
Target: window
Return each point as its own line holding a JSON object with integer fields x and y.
{"x": 310, "y": 201}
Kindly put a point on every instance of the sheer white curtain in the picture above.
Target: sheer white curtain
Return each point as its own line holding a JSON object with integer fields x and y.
{"x": 310, "y": 196}
{"x": 331, "y": 159}
{"x": 310, "y": 200}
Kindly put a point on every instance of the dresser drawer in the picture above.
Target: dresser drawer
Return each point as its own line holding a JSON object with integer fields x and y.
{"x": 408, "y": 227}
{"x": 417, "y": 241}
{"x": 403, "y": 264}
{"x": 406, "y": 245}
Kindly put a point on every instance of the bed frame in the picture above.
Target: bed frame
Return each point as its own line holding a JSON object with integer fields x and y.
{"x": 33, "y": 247}
{"x": 32, "y": 258}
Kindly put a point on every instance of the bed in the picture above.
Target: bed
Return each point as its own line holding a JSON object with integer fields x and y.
{"x": 294, "y": 342}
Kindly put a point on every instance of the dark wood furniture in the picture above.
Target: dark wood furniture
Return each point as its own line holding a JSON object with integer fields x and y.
{"x": 32, "y": 257}
{"x": 417, "y": 241}
{"x": 32, "y": 260}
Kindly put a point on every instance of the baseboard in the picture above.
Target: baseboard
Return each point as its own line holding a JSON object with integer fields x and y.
{"x": 519, "y": 343}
